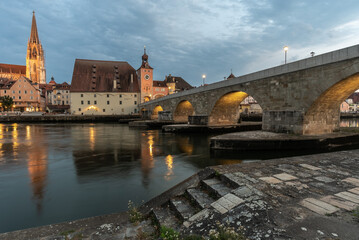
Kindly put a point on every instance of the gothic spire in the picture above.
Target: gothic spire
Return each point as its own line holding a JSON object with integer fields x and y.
{"x": 34, "y": 36}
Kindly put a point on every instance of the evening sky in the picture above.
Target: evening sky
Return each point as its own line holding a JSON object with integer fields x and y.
{"x": 185, "y": 38}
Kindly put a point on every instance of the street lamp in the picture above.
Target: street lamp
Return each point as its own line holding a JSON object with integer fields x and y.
{"x": 203, "y": 78}
{"x": 285, "y": 54}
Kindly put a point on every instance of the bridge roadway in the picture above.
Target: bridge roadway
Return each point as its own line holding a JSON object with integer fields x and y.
{"x": 301, "y": 97}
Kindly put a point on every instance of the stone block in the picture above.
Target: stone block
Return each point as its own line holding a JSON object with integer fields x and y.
{"x": 285, "y": 177}
{"x": 324, "y": 179}
{"x": 318, "y": 206}
{"x": 339, "y": 202}
{"x": 353, "y": 181}
{"x": 270, "y": 180}
{"x": 310, "y": 167}
{"x": 348, "y": 196}
{"x": 198, "y": 120}
{"x": 354, "y": 190}
{"x": 219, "y": 207}
{"x": 165, "y": 116}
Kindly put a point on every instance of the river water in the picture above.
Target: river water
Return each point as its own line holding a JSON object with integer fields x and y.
{"x": 51, "y": 173}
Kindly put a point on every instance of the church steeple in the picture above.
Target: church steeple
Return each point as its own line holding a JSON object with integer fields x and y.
{"x": 34, "y": 36}
{"x": 35, "y": 58}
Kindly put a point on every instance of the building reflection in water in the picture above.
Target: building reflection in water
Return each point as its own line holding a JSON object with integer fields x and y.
{"x": 147, "y": 155}
{"x": 37, "y": 164}
{"x": 25, "y": 144}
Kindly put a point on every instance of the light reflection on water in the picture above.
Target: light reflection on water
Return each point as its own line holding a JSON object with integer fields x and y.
{"x": 51, "y": 173}
{"x": 57, "y": 172}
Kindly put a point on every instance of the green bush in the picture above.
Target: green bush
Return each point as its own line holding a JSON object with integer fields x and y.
{"x": 168, "y": 234}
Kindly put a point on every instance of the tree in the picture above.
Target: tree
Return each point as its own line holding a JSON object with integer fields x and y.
{"x": 6, "y": 102}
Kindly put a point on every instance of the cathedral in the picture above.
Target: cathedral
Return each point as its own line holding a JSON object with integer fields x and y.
{"x": 35, "y": 61}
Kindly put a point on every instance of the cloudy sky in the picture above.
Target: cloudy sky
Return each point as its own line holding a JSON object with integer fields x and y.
{"x": 186, "y": 38}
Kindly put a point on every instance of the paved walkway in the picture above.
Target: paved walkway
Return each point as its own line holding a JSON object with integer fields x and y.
{"x": 307, "y": 197}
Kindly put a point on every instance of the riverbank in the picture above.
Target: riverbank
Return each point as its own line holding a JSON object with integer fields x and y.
{"x": 262, "y": 141}
{"x": 304, "y": 197}
{"x": 68, "y": 118}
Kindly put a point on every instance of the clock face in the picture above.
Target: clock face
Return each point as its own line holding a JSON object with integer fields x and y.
{"x": 147, "y": 76}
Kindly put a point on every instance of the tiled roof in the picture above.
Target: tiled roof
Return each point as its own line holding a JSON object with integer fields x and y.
{"x": 99, "y": 76}
{"x": 159, "y": 84}
{"x": 10, "y": 68}
{"x": 181, "y": 84}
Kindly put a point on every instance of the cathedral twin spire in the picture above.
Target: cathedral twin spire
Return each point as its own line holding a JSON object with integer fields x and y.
{"x": 35, "y": 59}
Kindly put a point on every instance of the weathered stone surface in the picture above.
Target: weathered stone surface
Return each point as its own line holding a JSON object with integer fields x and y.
{"x": 217, "y": 187}
{"x": 324, "y": 179}
{"x": 354, "y": 190}
{"x": 285, "y": 177}
{"x": 310, "y": 167}
{"x": 348, "y": 196}
{"x": 200, "y": 197}
{"x": 339, "y": 202}
{"x": 183, "y": 207}
{"x": 353, "y": 181}
{"x": 270, "y": 180}
{"x": 317, "y": 206}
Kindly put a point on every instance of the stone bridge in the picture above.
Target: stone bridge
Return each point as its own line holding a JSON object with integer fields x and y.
{"x": 301, "y": 97}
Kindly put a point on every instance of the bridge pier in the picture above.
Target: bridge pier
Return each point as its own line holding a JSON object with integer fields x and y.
{"x": 283, "y": 121}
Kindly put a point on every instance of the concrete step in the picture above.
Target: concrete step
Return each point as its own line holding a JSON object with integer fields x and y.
{"x": 216, "y": 187}
{"x": 182, "y": 207}
{"x": 165, "y": 217}
{"x": 200, "y": 197}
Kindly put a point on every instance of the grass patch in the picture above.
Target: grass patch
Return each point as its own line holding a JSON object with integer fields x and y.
{"x": 167, "y": 233}
{"x": 135, "y": 215}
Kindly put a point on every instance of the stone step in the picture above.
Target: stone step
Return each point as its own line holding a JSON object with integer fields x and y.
{"x": 216, "y": 187}
{"x": 201, "y": 198}
{"x": 165, "y": 217}
{"x": 182, "y": 207}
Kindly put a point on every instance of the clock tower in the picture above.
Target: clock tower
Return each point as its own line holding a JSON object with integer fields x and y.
{"x": 145, "y": 74}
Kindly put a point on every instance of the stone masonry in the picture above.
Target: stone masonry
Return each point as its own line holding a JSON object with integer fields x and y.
{"x": 301, "y": 97}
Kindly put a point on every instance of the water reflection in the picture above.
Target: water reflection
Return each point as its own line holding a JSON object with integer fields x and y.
{"x": 60, "y": 172}
{"x": 351, "y": 122}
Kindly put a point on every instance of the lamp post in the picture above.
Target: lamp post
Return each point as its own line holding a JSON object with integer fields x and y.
{"x": 203, "y": 78}
{"x": 285, "y": 54}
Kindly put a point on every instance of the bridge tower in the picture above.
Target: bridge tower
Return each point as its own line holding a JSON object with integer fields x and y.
{"x": 145, "y": 75}
{"x": 35, "y": 58}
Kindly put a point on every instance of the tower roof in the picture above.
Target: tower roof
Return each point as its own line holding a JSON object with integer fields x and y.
{"x": 34, "y": 36}
{"x": 145, "y": 60}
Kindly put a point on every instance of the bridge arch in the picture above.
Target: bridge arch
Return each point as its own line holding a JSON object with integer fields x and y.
{"x": 323, "y": 116}
{"x": 183, "y": 109}
{"x": 155, "y": 111}
{"x": 226, "y": 109}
